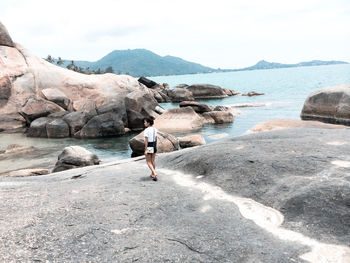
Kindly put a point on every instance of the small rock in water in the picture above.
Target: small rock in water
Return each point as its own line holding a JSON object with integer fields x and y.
{"x": 253, "y": 93}
{"x": 75, "y": 157}
{"x": 245, "y": 105}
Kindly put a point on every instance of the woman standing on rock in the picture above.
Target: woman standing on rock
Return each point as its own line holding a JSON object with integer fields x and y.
{"x": 150, "y": 134}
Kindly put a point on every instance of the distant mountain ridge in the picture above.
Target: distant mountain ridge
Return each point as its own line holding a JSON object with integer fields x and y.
{"x": 262, "y": 64}
{"x": 142, "y": 62}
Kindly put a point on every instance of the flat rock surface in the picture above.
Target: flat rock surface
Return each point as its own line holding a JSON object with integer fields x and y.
{"x": 291, "y": 123}
{"x": 231, "y": 209}
{"x": 302, "y": 173}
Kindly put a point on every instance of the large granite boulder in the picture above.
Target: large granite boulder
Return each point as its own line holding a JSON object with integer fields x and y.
{"x": 292, "y": 124}
{"x": 198, "y": 107}
{"x": 218, "y": 117}
{"x": 75, "y": 157}
{"x": 76, "y": 120}
{"x": 58, "y": 97}
{"x": 25, "y": 79}
{"x": 179, "y": 120}
{"x": 5, "y": 90}
{"x": 191, "y": 141}
{"x": 160, "y": 95}
{"x": 165, "y": 143}
{"x": 117, "y": 108}
{"x": 147, "y": 82}
{"x": 206, "y": 91}
{"x": 13, "y": 122}
{"x": 57, "y": 128}
{"x": 140, "y": 104}
{"x": 135, "y": 120}
{"x": 301, "y": 174}
{"x": 331, "y": 104}
{"x": 37, "y": 127}
{"x": 103, "y": 125}
{"x": 225, "y": 202}
{"x": 180, "y": 94}
{"x": 5, "y": 39}
{"x": 36, "y": 108}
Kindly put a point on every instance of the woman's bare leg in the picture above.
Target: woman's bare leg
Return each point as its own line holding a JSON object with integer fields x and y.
{"x": 154, "y": 160}
{"x": 149, "y": 163}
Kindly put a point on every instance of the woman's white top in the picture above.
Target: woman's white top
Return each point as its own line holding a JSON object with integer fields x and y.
{"x": 151, "y": 133}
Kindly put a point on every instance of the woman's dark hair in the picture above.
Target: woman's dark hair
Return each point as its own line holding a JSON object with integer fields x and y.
{"x": 149, "y": 120}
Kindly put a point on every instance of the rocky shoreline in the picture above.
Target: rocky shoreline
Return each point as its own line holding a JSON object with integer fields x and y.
{"x": 279, "y": 194}
{"x": 227, "y": 201}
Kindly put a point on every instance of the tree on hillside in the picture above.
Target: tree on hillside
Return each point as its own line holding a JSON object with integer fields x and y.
{"x": 49, "y": 59}
{"x": 88, "y": 71}
{"x": 109, "y": 69}
{"x": 71, "y": 65}
{"x": 99, "y": 71}
{"x": 59, "y": 61}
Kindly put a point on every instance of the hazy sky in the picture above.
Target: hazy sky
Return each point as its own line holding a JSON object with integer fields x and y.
{"x": 221, "y": 33}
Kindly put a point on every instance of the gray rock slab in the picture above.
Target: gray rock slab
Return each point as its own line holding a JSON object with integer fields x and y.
{"x": 259, "y": 198}
{"x": 303, "y": 173}
{"x": 116, "y": 213}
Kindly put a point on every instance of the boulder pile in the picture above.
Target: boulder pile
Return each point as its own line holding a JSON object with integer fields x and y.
{"x": 45, "y": 100}
{"x": 184, "y": 92}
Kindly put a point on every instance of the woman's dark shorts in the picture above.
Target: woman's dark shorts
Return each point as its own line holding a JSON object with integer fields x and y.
{"x": 154, "y": 145}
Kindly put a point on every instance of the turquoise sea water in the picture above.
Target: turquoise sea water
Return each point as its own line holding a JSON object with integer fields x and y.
{"x": 285, "y": 92}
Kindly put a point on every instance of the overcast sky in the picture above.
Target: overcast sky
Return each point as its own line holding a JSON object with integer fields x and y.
{"x": 221, "y": 33}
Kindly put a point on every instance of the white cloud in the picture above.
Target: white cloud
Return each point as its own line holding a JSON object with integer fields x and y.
{"x": 222, "y": 33}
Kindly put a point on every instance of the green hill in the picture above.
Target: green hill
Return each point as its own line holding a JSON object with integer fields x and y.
{"x": 142, "y": 62}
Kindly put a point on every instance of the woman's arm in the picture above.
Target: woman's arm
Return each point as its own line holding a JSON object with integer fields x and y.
{"x": 146, "y": 145}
